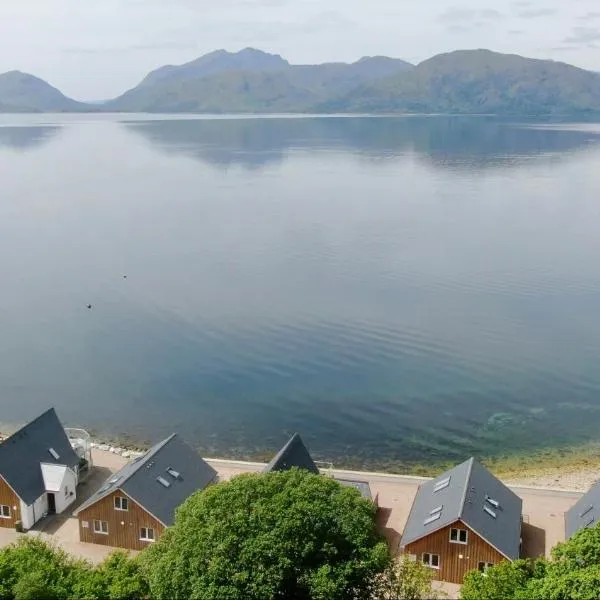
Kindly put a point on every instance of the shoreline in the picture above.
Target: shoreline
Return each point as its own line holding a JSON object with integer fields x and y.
{"x": 573, "y": 468}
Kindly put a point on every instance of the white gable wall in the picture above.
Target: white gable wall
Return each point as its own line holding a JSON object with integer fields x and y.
{"x": 31, "y": 514}
{"x": 66, "y": 495}
{"x": 60, "y": 481}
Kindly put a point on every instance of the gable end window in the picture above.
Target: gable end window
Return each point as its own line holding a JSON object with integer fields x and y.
{"x": 459, "y": 536}
{"x": 431, "y": 560}
{"x": 121, "y": 503}
{"x": 484, "y": 566}
{"x": 4, "y": 511}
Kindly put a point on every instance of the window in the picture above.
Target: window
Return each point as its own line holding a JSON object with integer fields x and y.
{"x": 431, "y": 560}
{"x": 458, "y": 536}
{"x": 493, "y": 502}
{"x": 440, "y": 485}
{"x": 489, "y": 511}
{"x": 121, "y": 503}
{"x": 173, "y": 473}
{"x": 54, "y": 453}
{"x": 163, "y": 482}
{"x": 4, "y": 511}
{"x": 484, "y": 566}
{"x": 101, "y": 527}
{"x": 432, "y": 518}
{"x": 147, "y": 534}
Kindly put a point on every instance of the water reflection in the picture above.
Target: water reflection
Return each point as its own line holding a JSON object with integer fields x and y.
{"x": 454, "y": 143}
{"x": 27, "y": 137}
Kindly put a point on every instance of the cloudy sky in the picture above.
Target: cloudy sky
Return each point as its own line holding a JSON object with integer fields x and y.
{"x": 96, "y": 49}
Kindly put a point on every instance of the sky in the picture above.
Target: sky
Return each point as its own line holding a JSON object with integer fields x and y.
{"x": 97, "y": 49}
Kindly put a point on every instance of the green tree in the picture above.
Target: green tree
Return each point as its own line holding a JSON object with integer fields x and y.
{"x": 32, "y": 566}
{"x": 280, "y": 535}
{"x": 574, "y": 571}
{"x": 504, "y": 581}
{"x": 122, "y": 577}
{"x": 407, "y": 579}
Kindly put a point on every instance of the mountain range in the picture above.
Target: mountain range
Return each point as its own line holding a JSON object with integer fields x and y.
{"x": 252, "y": 81}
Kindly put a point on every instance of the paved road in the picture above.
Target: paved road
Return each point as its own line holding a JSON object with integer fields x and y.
{"x": 389, "y": 478}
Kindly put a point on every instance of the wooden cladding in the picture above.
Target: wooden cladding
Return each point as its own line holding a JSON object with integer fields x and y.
{"x": 124, "y": 527}
{"x": 10, "y": 499}
{"x": 455, "y": 559}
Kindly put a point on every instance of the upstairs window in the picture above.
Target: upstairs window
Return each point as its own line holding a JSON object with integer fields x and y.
{"x": 4, "y": 511}
{"x": 147, "y": 534}
{"x": 459, "y": 536}
{"x": 121, "y": 503}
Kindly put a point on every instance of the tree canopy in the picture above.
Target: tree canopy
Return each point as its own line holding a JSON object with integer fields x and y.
{"x": 278, "y": 535}
{"x": 31, "y": 569}
{"x": 573, "y": 573}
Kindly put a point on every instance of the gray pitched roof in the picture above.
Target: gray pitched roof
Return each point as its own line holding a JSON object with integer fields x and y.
{"x": 139, "y": 479}
{"x": 293, "y": 454}
{"x": 584, "y": 513}
{"x": 22, "y": 453}
{"x": 470, "y": 495}
{"x": 362, "y": 486}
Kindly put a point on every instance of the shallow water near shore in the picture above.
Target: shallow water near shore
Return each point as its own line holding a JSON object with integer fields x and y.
{"x": 399, "y": 290}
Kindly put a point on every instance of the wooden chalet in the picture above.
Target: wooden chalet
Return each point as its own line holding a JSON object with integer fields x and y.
{"x": 465, "y": 519}
{"x": 135, "y": 505}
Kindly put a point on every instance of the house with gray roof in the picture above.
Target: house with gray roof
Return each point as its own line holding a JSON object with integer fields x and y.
{"x": 293, "y": 454}
{"x": 135, "y": 505}
{"x": 584, "y": 513}
{"x": 39, "y": 472}
{"x": 296, "y": 455}
{"x": 462, "y": 520}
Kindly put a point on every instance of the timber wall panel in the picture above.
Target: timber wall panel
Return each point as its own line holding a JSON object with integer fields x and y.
{"x": 123, "y": 526}
{"x": 452, "y": 567}
{"x": 9, "y": 498}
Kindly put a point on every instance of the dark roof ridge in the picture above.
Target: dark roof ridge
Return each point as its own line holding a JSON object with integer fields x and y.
{"x": 142, "y": 460}
{"x": 471, "y": 461}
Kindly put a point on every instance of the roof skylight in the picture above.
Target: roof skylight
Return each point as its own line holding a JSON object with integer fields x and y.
{"x": 173, "y": 473}
{"x": 489, "y": 511}
{"x": 493, "y": 502}
{"x": 586, "y": 511}
{"x": 54, "y": 453}
{"x": 163, "y": 481}
{"x": 440, "y": 485}
{"x": 432, "y": 518}
{"x": 437, "y": 509}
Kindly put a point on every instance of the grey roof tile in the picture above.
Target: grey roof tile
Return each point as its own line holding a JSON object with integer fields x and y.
{"x": 584, "y": 513}
{"x": 464, "y": 498}
{"x": 293, "y": 454}
{"x": 139, "y": 479}
{"x": 22, "y": 453}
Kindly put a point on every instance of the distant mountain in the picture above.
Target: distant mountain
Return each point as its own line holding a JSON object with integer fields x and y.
{"x": 20, "y": 92}
{"x": 249, "y": 81}
{"x": 478, "y": 81}
{"x": 252, "y": 81}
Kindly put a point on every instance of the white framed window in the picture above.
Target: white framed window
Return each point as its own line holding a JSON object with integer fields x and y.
{"x": 431, "y": 560}
{"x": 4, "y": 511}
{"x": 147, "y": 534}
{"x": 121, "y": 503}
{"x": 459, "y": 536}
{"x": 101, "y": 527}
{"x": 484, "y": 566}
